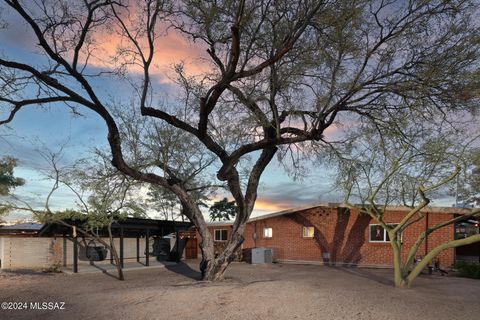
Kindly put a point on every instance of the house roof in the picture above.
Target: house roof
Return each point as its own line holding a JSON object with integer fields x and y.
{"x": 22, "y": 229}
{"x": 431, "y": 209}
{"x": 24, "y": 226}
{"x": 220, "y": 223}
{"x": 295, "y": 209}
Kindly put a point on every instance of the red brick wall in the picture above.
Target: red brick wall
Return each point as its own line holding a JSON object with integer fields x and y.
{"x": 219, "y": 246}
{"x": 343, "y": 234}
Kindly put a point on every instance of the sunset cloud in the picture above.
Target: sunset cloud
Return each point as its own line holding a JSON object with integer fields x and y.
{"x": 266, "y": 205}
{"x": 171, "y": 49}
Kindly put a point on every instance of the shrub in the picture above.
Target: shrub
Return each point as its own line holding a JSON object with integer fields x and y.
{"x": 468, "y": 270}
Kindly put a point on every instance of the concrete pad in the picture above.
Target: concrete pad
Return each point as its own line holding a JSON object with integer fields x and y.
{"x": 112, "y": 269}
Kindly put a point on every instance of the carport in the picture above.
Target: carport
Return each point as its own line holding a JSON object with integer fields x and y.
{"x": 142, "y": 230}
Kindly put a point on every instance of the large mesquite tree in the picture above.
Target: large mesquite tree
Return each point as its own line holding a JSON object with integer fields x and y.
{"x": 273, "y": 75}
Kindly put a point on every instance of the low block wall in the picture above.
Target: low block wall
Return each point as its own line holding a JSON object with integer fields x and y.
{"x": 45, "y": 252}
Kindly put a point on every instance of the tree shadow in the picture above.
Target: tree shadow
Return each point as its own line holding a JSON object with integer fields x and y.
{"x": 367, "y": 274}
{"x": 21, "y": 272}
{"x": 106, "y": 272}
{"x": 341, "y": 249}
{"x": 185, "y": 270}
{"x": 352, "y": 245}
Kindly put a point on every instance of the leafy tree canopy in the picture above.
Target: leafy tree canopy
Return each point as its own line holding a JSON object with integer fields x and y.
{"x": 7, "y": 180}
{"x": 223, "y": 210}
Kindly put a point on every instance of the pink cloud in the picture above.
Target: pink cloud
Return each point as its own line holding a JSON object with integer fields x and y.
{"x": 171, "y": 49}
{"x": 266, "y": 205}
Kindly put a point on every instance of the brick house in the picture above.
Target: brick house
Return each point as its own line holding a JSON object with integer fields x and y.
{"x": 331, "y": 233}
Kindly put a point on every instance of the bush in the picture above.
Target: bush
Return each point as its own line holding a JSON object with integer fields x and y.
{"x": 468, "y": 270}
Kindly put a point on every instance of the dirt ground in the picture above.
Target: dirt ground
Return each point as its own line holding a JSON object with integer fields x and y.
{"x": 249, "y": 292}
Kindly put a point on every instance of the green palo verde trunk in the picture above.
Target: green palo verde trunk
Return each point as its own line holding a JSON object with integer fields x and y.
{"x": 403, "y": 277}
{"x": 399, "y": 277}
{"x": 436, "y": 251}
{"x": 398, "y": 270}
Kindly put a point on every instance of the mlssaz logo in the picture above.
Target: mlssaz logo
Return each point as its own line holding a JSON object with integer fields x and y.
{"x": 47, "y": 305}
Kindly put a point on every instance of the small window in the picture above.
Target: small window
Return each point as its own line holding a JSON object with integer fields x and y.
{"x": 221, "y": 235}
{"x": 267, "y": 232}
{"x": 308, "y": 232}
{"x": 378, "y": 234}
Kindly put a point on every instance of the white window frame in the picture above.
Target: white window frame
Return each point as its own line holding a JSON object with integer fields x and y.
{"x": 267, "y": 233}
{"x": 220, "y": 233}
{"x": 384, "y": 233}
{"x": 306, "y": 232}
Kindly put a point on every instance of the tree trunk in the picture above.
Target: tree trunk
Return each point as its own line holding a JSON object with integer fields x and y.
{"x": 436, "y": 251}
{"x": 113, "y": 250}
{"x": 213, "y": 268}
{"x": 399, "y": 278}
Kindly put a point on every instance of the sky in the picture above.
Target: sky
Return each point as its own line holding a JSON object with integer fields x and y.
{"x": 35, "y": 129}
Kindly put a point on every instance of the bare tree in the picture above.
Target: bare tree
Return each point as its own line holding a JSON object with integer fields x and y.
{"x": 466, "y": 190}
{"x": 104, "y": 197}
{"x": 279, "y": 75}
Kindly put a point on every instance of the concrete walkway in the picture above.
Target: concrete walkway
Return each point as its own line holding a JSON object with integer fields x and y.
{"x": 106, "y": 267}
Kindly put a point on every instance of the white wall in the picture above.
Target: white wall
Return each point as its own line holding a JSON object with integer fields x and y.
{"x": 43, "y": 252}
{"x": 19, "y": 252}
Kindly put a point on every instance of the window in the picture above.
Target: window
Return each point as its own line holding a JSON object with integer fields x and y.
{"x": 221, "y": 235}
{"x": 308, "y": 232}
{"x": 378, "y": 234}
{"x": 267, "y": 232}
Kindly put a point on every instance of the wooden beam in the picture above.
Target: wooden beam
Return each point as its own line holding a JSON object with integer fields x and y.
{"x": 147, "y": 254}
{"x": 75, "y": 255}
{"x": 138, "y": 248}
{"x": 121, "y": 248}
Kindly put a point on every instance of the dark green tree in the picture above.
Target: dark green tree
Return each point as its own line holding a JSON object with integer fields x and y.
{"x": 7, "y": 180}
{"x": 223, "y": 210}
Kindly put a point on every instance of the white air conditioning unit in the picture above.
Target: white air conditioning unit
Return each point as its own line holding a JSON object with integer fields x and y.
{"x": 262, "y": 255}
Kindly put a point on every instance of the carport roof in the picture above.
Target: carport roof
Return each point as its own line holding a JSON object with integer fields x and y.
{"x": 130, "y": 226}
{"x": 22, "y": 229}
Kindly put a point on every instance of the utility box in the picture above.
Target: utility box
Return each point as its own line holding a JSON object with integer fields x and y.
{"x": 262, "y": 255}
